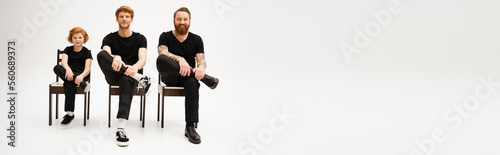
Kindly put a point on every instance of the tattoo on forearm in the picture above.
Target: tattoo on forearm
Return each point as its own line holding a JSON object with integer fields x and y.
{"x": 161, "y": 49}
{"x": 202, "y": 56}
{"x": 173, "y": 57}
{"x": 201, "y": 60}
{"x": 204, "y": 64}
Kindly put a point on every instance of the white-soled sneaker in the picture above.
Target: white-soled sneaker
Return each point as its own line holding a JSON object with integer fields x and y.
{"x": 85, "y": 85}
{"x": 145, "y": 83}
{"x": 121, "y": 138}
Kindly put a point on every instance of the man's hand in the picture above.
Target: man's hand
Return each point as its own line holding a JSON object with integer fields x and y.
{"x": 199, "y": 73}
{"x": 78, "y": 79}
{"x": 131, "y": 70}
{"x": 69, "y": 75}
{"x": 185, "y": 69}
{"x": 117, "y": 63}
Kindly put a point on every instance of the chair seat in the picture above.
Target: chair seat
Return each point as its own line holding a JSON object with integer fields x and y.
{"x": 57, "y": 84}
{"x": 58, "y": 88}
{"x": 170, "y": 90}
{"x": 115, "y": 90}
{"x": 116, "y": 87}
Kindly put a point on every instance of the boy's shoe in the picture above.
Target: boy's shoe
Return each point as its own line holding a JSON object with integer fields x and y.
{"x": 121, "y": 138}
{"x": 67, "y": 120}
{"x": 145, "y": 82}
{"x": 85, "y": 85}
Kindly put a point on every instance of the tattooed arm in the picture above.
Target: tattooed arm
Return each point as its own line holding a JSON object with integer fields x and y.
{"x": 162, "y": 49}
{"x": 200, "y": 60}
{"x": 199, "y": 71}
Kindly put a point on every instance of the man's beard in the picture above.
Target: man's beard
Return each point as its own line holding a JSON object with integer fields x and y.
{"x": 181, "y": 30}
{"x": 124, "y": 26}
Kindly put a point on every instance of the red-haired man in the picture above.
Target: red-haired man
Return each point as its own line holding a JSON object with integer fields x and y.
{"x": 121, "y": 60}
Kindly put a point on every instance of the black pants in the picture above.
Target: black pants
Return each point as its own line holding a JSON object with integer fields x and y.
{"x": 169, "y": 71}
{"x": 127, "y": 84}
{"x": 69, "y": 87}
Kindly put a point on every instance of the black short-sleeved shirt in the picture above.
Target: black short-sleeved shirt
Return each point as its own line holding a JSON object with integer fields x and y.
{"x": 127, "y": 48}
{"x": 187, "y": 49}
{"x": 76, "y": 60}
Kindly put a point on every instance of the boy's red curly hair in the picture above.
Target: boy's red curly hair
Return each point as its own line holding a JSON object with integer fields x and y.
{"x": 76, "y": 30}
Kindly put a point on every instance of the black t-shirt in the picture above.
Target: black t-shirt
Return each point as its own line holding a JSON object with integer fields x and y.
{"x": 76, "y": 60}
{"x": 187, "y": 49}
{"x": 127, "y": 48}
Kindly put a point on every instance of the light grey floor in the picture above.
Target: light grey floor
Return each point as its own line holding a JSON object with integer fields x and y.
{"x": 390, "y": 122}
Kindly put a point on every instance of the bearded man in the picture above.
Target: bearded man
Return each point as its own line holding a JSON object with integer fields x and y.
{"x": 181, "y": 62}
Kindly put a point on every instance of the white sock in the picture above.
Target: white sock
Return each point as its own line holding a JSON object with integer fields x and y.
{"x": 138, "y": 76}
{"x": 70, "y": 113}
{"x": 121, "y": 122}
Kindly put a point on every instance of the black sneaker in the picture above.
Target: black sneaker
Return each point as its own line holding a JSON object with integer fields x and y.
{"x": 121, "y": 138}
{"x": 210, "y": 81}
{"x": 85, "y": 85}
{"x": 67, "y": 119}
{"x": 145, "y": 82}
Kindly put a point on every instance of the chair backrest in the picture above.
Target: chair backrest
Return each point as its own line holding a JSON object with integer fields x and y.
{"x": 58, "y": 60}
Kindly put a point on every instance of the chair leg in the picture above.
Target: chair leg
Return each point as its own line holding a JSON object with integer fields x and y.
{"x": 162, "y": 110}
{"x": 140, "y": 113}
{"x": 57, "y": 105}
{"x": 50, "y": 109}
{"x": 109, "y": 109}
{"x": 158, "y": 113}
{"x": 88, "y": 106}
{"x": 85, "y": 109}
{"x": 144, "y": 112}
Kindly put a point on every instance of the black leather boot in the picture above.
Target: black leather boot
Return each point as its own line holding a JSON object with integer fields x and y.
{"x": 210, "y": 81}
{"x": 192, "y": 135}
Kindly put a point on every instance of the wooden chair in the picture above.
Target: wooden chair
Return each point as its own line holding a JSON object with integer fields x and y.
{"x": 58, "y": 88}
{"x": 115, "y": 90}
{"x": 163, "y": 91}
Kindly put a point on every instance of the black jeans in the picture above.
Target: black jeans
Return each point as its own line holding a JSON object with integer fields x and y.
{"x": 169, "y": 71}
{"x": 69, "y": 87}
{"x": 127, "y": 84}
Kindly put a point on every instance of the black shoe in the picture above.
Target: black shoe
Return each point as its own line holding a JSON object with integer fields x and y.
{"x": 67, "y": 119}
{"x": 85, "y": 85}
{"x": 192, "y": 135}
{"x": 210, "y": 81}
{"x": 121, "y": 138}
{"x": 145, "y": 82}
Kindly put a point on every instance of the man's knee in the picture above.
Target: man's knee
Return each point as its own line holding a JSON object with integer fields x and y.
{"x": 56, "y": 68}
{"x": 102, "y": 55}
{"x": 162, "y": 59}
